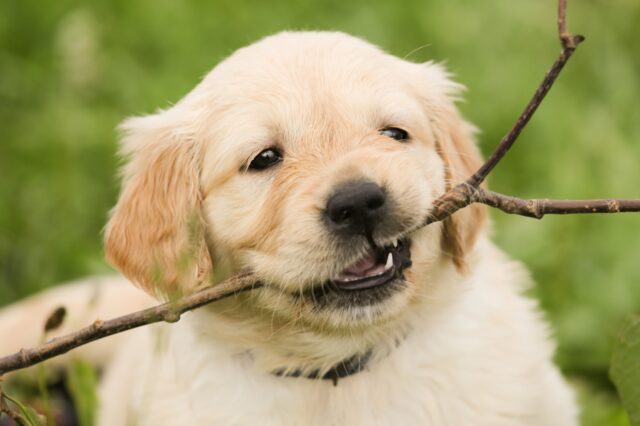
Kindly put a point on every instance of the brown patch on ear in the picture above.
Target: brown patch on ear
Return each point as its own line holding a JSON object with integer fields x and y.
{"x": 155, "y": 236}
{"x": 456, "y": 146}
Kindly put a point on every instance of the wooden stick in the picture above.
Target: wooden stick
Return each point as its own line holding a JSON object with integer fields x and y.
{"x": 167, "y": 312}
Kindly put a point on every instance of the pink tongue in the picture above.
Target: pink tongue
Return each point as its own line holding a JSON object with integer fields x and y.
{"x": 362, "y": 266}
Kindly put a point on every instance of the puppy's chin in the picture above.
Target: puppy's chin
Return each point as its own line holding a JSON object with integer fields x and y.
{"x": 338, "y": 311}
{"x": 375, "y": 290}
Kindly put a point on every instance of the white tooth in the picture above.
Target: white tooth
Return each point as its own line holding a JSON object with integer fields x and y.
{"x": 389, "y": 263}
{"x": 395, "y": 243}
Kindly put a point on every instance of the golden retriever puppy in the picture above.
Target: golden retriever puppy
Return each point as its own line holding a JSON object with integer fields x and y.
{"x": 311, "y": 158}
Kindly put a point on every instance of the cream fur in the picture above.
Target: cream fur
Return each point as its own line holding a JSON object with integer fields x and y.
{"x": 459, "y": 345}
{"x": 477, "y": 354}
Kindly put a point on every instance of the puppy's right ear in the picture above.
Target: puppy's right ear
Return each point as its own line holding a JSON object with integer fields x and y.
{"x": 155, "y": 236}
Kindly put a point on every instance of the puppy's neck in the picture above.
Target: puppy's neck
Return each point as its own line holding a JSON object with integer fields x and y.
{"x": 271, "y": 342}
{"x": 290, "y": 347}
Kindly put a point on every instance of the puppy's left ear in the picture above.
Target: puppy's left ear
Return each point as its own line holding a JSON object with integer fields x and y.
{"x": 155, "y": 236}
{"x": 456, "y": 145}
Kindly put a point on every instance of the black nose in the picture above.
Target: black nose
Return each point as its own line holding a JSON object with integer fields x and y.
{"x": 356, "y": 207}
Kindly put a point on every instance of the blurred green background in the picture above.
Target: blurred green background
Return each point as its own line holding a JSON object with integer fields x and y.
{"x": 71, "y": 70}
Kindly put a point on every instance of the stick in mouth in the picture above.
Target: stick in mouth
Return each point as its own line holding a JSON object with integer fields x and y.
{"x": 379, "y": 266}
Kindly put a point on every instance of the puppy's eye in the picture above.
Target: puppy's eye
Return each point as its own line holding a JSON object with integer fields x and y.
{"x": 395, "y": 133}
{"x": 267, "y": 158}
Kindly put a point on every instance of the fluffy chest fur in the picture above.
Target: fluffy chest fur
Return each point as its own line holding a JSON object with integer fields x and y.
{"x": 482, "y": 359}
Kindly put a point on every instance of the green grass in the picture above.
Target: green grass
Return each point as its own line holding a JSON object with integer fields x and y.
{"x": 71, "y": 70}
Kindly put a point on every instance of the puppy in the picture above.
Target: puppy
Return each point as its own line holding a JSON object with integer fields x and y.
{"x": 311, "y": 158}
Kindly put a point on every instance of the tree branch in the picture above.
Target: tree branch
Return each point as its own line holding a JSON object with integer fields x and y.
{"x": 469, "y": 191}
{"x": 509, "y": 139}
{"x": 537, "y": 208}
{"x": 167, "y": 312}
{"x": 566, "y": 38}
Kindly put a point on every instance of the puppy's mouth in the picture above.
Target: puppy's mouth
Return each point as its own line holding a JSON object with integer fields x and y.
{"x": 379, "y": 266}
{"x": 372, "y": 279}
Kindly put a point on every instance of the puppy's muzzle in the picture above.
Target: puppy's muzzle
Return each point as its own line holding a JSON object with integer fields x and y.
{"x": 356, "y": 208}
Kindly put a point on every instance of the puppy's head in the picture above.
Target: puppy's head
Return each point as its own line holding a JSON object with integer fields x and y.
{"x": 309, "y": 158}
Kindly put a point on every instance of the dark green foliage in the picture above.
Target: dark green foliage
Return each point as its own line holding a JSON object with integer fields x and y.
{"x": 625, "y": 368}
{"x": 82, "y": 385}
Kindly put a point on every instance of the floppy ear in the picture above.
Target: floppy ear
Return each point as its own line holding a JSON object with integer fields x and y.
{"x": 155, "y": 236}
{"x": 456, "y": 145}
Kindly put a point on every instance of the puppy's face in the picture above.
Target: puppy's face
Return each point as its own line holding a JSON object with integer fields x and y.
{"x": 311, "y": 159}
